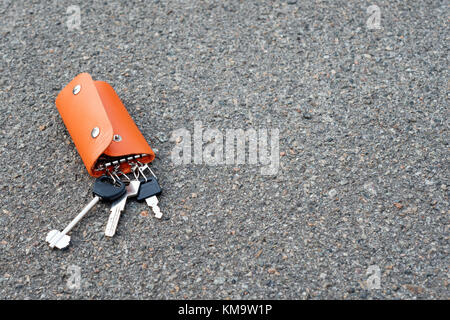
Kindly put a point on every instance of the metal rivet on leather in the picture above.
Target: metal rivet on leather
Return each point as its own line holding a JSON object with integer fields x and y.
{"x": 95, "y": 132}
{"x": 76, "y": 89}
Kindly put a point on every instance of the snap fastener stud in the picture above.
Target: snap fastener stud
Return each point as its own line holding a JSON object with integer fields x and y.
{"x": 76, "y": 89}
{"x": 95, "y": 132}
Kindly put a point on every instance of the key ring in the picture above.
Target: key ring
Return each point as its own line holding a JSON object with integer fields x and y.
{"x": 108, "y": 172}
{"x": 117, "y": 171}
{"x": 142, "y": 173}
{"x": 143, "y": 167}
{"x": 134, "y": 169}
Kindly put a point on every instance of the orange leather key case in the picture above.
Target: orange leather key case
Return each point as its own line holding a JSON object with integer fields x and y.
{"x": 103, "y": 132}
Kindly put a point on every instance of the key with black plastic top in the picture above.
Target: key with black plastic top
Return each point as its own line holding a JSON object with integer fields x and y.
{"x": 105, "y": 189}
{"x": 148, "y": 191}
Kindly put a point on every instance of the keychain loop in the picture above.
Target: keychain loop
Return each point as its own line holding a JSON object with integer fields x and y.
{"x": 143, "y": 167}
{"x": 108, "y": 172}
{"x": 134, "y": 169}
{"x": 118, "y": 172}
{"x": 139, "y": 167}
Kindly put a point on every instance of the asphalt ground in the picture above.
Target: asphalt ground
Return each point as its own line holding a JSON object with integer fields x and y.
{"x": 357, "y": 210}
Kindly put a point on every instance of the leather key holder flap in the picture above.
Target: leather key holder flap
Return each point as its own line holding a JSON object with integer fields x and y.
{"x": 100, "y": 126}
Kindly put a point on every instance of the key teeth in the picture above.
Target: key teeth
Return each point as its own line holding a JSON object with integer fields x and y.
{"x": 112, "y": 224}
{"x": 116, "y": 211}
{"x": 152, "y": 202}
{"x": 157, "y": 212}
{"x": 61, "y": 243}
{"x": 51, "y": 235}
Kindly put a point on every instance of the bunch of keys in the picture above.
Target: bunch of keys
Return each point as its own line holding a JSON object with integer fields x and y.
{"x": 144, "y": 189}
{"x": 113, "y": 189}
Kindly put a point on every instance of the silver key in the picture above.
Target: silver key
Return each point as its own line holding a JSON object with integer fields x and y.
{"x": 103, "y": 190}
{"x": 61, "y": 239}
{"x": 118, "y": 206}
{"x": 149, "y": 190}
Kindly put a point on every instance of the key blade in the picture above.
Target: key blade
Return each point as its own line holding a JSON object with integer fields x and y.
{"x": 63, "y": 242}
{"x": 118, "y": 206}
{"x": 152, "y": 202}
{"x": 56, "y": 239}
{"x": 111, "y": 227}
{"x": 51, "y": 235}
{"x": 113, "y": 220}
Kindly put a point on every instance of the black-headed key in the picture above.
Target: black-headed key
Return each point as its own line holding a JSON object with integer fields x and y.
{"x": 105, "y": 189}
{"x": 148, "y": 191}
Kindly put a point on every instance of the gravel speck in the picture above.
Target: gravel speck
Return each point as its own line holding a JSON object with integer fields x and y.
{"x": 307, "y": 115}
{"x": 332, "y": 193}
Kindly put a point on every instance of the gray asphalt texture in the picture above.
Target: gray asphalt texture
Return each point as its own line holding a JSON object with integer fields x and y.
{"x": 363, "y": 179}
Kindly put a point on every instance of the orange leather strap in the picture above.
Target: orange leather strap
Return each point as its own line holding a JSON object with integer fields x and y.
{"x": 93, "y": 115}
